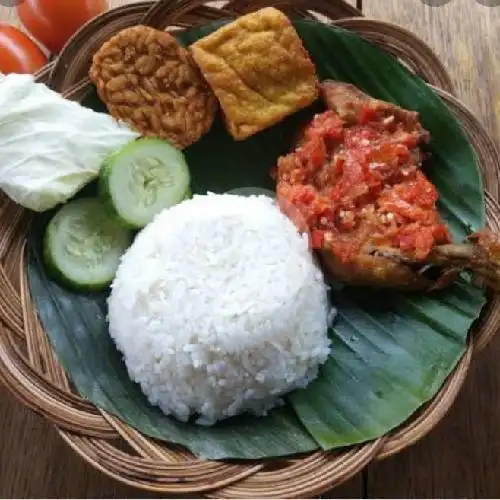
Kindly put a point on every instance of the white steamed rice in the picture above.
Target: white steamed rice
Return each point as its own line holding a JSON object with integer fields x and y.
{"x": 219, "y": 308}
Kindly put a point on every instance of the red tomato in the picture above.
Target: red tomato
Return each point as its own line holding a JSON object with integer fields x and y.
{"x": 366, "y": 114}
{"x": 18, "y": 53}
{"x": 53, "y": 22}
{"x": 317, "y": 239}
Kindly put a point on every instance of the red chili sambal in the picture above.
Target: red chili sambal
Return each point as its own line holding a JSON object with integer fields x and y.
{"x": 358, "y": 184}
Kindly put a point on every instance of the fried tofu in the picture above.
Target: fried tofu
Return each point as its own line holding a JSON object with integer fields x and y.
{"x": 258, "y": 69}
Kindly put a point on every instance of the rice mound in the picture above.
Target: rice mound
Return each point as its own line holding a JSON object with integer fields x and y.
{"x": 219, "y": 308}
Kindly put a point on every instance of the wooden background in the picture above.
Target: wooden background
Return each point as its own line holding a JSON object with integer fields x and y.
{"x": 459, "y": 459}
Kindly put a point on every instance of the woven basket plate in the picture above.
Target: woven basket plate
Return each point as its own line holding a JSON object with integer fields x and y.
{"x": 28, "y": 366}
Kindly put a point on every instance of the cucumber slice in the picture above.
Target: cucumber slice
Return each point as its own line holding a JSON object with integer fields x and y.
{"x": 83, "y": 244}
{"x": 143, "y": 178}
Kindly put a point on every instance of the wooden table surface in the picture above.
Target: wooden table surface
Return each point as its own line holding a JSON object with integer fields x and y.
{"x": 461, "y": 457}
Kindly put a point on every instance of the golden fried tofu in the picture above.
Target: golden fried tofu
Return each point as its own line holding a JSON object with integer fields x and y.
{"x": 259, "y": 70}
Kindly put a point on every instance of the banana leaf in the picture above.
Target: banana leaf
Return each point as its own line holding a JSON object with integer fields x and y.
{"x": 391, "y": 352}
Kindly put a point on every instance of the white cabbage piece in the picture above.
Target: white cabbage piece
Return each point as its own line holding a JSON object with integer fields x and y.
{"x": 50, "y": 147}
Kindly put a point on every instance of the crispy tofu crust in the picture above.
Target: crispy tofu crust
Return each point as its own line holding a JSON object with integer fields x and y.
{"x": 259, "y": 70}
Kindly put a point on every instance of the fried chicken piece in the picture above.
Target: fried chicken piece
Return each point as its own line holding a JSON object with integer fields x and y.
{"x": 348, "y": 101}
{"x": 479, "y": 254}
{"x": 259, "y": 70}
{"x": 354, "y": 183}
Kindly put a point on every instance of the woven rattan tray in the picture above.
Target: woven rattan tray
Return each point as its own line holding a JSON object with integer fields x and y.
{"x": 30, "y": 370}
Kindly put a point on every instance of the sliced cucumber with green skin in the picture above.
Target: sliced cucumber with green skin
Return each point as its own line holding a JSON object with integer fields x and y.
{"x": 143, "y": 178}
{"x": 83, "y": 245}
